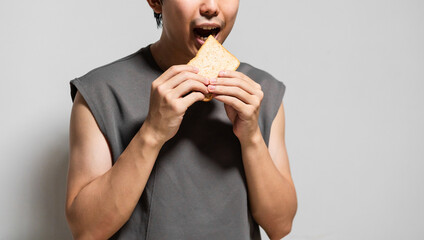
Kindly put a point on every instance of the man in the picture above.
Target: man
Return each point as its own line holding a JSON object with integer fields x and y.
{"x": 150, "y": 160}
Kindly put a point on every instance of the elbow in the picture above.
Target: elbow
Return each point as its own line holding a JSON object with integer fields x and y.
{"x": 70, "y": 220}
{"x": 78, "y": 232}
{"x": 83, "y": 230}
{"x": 280, "y": 232}
{"x": 72, "y": 223}
{"x": 82, "y": 234}
{"x": 275, "y": 227}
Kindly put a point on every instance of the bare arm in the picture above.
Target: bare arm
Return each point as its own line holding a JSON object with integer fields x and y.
{"x": 102, "y": 197}
{"x": 272, "y": 193}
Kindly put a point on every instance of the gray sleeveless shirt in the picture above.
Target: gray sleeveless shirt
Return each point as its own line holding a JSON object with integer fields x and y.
{"x": 197, "y": 188}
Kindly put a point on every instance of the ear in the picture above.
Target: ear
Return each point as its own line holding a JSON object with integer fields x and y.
{"x": 156, "y": 5}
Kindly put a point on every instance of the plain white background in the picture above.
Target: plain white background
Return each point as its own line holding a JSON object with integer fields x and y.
{"x": 354, "y": 73}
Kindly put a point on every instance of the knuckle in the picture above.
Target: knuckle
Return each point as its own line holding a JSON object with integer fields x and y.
{"x": 193, "y": 84}
{"x": 173, "y": 68}
{"x": 182, "y": 84}
{"x": 234, "y": 101}
{"x": 247, "y": 112}
{"x": 251, "y": 111}
{"x": 176, "y": 107}
{"x": 257, "y": 102}
{"x": 201, "y": 78}
{"x": 242, "y": 84}
{"x": 154, "y": 84}
{"x": 184, "y": 75}
{"x": 160, "y": 89}
{"x": 168, "y": 98}
{"x": 254, "y": 101}
{"x": 261, "y": 95}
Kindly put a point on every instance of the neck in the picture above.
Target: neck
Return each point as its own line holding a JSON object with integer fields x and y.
{"x": 166, "y": 54}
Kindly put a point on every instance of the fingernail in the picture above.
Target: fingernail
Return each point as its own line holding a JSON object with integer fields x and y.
{"x": 213, "y": 80}
{"x": 222, "y": 73}
{"x": 196, "y": 68}
{"x": 211, "y": 87}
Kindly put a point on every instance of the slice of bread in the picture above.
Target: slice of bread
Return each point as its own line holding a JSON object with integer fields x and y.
{"x": 211, "y": 58}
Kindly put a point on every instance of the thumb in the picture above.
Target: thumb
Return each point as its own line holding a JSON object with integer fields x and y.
{"x": 231, "y": 113}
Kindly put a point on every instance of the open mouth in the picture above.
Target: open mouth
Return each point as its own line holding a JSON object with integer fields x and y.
{"x": 204, "y": 32}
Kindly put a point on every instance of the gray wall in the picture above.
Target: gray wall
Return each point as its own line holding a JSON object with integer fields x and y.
{"x": 354, "y": 73}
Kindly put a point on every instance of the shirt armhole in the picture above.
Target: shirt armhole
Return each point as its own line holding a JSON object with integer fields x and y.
{"x": 76, "y": 85}
{"x": 279, "y": 99}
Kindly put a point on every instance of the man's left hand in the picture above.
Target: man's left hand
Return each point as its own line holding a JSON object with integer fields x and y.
{"x": 242, "y": 99}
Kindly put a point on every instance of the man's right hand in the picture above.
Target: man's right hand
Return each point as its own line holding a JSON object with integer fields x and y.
{"x": 171, "y": 94}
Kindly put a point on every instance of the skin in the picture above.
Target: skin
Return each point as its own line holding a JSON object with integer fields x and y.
{"x": 101, "y": 197}
{"x": 177, "y": 44}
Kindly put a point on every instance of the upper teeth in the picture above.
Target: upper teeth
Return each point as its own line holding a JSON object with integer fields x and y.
{"x": 208, "y": 28}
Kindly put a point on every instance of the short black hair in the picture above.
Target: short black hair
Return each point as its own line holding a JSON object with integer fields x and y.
{"x": 158, "y": 16}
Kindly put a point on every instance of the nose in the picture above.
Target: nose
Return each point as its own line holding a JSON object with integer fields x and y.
{"x": 209, "y": 8}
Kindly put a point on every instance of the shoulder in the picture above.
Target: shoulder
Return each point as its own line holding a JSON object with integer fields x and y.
{"x": 267, "y": 81}
{"x": 113, "y": 68}
{"x": 273, "y": 88}
{"x": 108, "y": 74}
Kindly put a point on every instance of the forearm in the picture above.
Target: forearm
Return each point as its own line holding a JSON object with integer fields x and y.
{"x": 272, "y": 196}
{"x": 106, "y": 203}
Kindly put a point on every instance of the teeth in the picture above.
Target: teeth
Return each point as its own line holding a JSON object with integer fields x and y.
{"x": 203, "y": 38}
{"x": 208, "y": 28}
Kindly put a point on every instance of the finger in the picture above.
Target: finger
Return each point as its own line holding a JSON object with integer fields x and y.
{"x": 188, "y": 86}
{"x": 238, "y": 105}
{"x": 236, "y": 74}
{"x": 184, "y": 76}
{"x": 174, "y": 70}
{"x": 191, "y": 98}
{"x": 232, "y": 91}
{"x": 234, "y": 82}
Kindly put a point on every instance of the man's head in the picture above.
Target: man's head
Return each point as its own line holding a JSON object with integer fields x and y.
{"x": 187, "y": 23}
